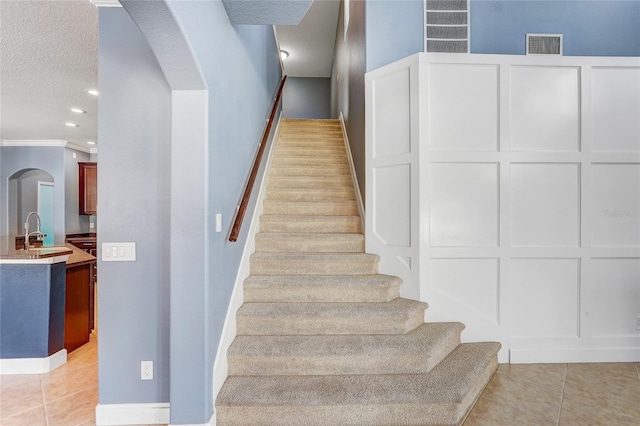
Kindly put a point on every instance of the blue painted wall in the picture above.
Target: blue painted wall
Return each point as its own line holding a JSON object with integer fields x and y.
{"x": 590, "y": 28}
{"x": 394, "y": 30}
{"x": 49, "y": 159}
{"x": 241, "y": 68}
{"x": 134, "y": 205}
{"x": 307, "y": 98}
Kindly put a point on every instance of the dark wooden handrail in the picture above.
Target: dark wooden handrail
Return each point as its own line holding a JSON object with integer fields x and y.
{"x": 242, "y": 208}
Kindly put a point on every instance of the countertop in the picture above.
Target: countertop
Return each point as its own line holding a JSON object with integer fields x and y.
{"x": 9, "y": 254}
{"x": 78, "y": 257}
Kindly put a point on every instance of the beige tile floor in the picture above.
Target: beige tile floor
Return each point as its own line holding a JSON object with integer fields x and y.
{"x": 518, "y": 395}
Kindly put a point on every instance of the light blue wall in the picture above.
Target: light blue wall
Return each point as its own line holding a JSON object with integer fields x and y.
{"x": 347, "y": 82}
{"x": 49, "y": 159}
{"x": 134, "y": 205}
{"x": 394, "y": 30}
{"x": 242, "y": 70}
{"x": 74, "y": 222}
{"x": 590, "y": 28}
{"x": 307, "y": 98}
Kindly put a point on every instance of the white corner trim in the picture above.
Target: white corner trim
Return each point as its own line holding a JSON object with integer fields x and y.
{"x": 106, "y": 3}
{"x": 128, "y": 414}
{"x": 354, "y": 177}
{"x": 221, "y": 363}
{"x": 36, "y": 142}
{"x": 33, "y": 365}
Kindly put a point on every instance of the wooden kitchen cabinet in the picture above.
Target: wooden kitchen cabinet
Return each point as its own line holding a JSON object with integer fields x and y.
{"x": 88, "y": 187}
{"x": 79, "y": 299}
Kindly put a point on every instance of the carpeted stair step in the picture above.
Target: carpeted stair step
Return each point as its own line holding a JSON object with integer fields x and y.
{"x": 311, "y": 181}
{"x": 318, "y": 149}
{"x": 310, "y": 224}
{"x": 444, "y": 396}
{"x": 395, "y": 317}
{"x": 301, "y": 143}
{"x": 310, "y": 194}
{"x": 314, "y": 263}
{"x": 309, "y": 243}
{"x": 325, "y": 170}
{"x": 287, "y": 160}
{"x": 317, "y": 208}
{"x": 321, "y": 288}
{"x": 415, "y": 352}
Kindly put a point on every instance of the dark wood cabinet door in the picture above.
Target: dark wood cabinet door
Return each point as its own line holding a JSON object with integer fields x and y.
{"x": 88, "y": 187}
{"x": 77, "y": 320}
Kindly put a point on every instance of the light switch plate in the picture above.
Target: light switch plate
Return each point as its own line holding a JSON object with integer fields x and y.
{"x": 118, "y": 252}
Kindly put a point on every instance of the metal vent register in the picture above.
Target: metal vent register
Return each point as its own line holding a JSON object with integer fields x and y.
{"x": 544, "y": 44}
{"x": 447, "y": 26}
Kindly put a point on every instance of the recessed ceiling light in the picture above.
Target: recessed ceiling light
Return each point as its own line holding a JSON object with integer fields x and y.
{"x": 71, "y": 124}
{"x": 93, "y": 92}
{"x": 78, "y": 111}
{"x": 284, "y": 54}
{"x": 91, "y": 143}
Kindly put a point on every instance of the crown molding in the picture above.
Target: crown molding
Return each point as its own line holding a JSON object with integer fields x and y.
{"x": 79, "y": 147}
{"x": 35, "y": 142}
{"x": 106, "y": 3}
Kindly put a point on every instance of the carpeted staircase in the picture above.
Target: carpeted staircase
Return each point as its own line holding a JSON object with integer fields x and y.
{"x": 323, "y": 339}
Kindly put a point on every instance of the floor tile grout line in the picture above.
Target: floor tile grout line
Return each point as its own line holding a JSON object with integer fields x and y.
{"x": 564, "y": 384}
{"x": 44, "y": 402}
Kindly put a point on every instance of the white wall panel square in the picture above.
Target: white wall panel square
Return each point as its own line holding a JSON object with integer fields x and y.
{"x": 392, "y": 204}
{"x": 615, "y": 93}
{"x": 616, "y": 204}
{"x": 545, "y": 109}
{"x": 391, "y": 120}
{"x": 471, "y": 282}
{"x": 463, "y": 107}
{"x": 464, "y": 204}
{"x": 544, "y": 297}
{"x": 611, "y": 297}
{"x": 545, "y": 204}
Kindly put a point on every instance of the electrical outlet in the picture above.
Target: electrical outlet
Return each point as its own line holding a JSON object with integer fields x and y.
{"x": 146, "y": 370}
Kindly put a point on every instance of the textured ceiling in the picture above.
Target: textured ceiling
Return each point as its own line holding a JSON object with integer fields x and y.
{"x": 266, "y": 12}
{"x": 311, "y": 43}
{"x": 48, "y": 58}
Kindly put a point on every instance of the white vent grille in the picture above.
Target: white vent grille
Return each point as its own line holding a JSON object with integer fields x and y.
{"x": 544, "y": 44}
{"x": 447, "y": 26}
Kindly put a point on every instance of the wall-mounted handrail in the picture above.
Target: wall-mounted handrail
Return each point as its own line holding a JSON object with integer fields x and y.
{"x": 242, "y": 208}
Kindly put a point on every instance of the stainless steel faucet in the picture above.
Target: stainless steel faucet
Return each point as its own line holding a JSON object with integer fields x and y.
{"x": 39, "y": 235}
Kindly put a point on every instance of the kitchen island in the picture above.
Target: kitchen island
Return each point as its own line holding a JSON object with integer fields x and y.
{"x": 32, "y": 308}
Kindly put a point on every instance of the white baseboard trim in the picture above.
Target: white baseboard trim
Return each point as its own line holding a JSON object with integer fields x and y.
{"x": 132, "y": 414}
{"x": 354, "y": 177}
{"x": 543, "y": 356}
{"x": 33, "y": 365}
{"x": 221, "y": 364}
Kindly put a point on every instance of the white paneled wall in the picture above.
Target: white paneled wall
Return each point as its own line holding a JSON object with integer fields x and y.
{"x": 505, "y": 191}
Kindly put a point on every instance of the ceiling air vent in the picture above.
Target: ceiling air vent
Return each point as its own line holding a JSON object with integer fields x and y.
{"x": 544, "y": 44}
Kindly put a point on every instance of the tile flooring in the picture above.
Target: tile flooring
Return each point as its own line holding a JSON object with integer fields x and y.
{"x": 534, "y": 394}
{"x": 67, "y": 396}
{"x": 560, "y": 394}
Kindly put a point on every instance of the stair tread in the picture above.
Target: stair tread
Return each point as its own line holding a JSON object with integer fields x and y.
{"x": 448, "y": 383}
{"x": 398, "y": 308}
{"x": 378, "y": 280}
{"x": 305, "y": 236}
{"x": 316, "y": 257}
{"x": 419, "y": 341}
{"x": 306, "y": 218}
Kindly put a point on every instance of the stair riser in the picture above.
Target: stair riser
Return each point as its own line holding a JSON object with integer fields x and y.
{"x": 329, "y": 170}
{"x": 338, "y": 209}
{"x": 309, "y": 246}
{"x": 240, "y": 365}
{"x": 269, "y": 326}
{"x": 350, "y": 227}
{"x": 319, "y": 149}
{"x": 317, "y": 180}
{"x": 306, "y": 161}
{"x": 310, "y": 195}
{"x": 320, "y": 294}
{"x": 310, "y": 267}
{"x": 291, "y": 184}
